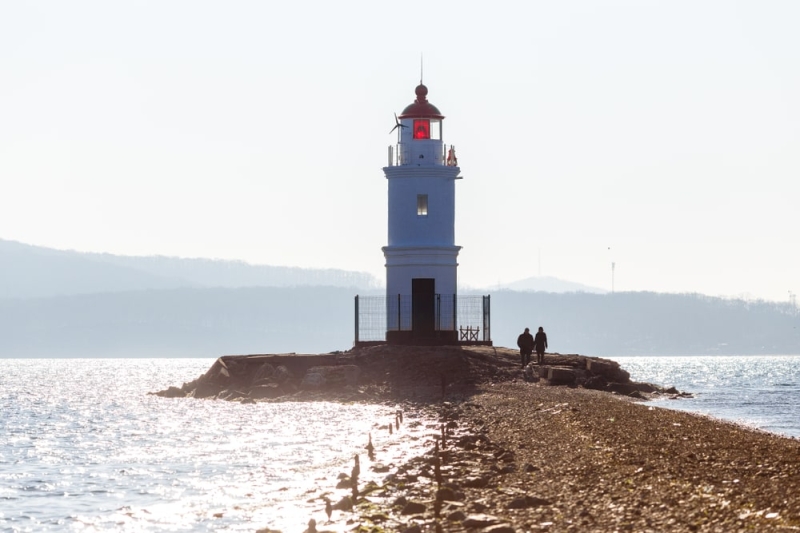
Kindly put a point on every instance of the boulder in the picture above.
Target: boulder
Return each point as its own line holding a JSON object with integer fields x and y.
{"x": 330, "y": 377}
{"x": 479, "y": 521}
{"x": 596, "y": 383}
{"x": 218, "y": 374}
{"x": 265, "y": 371}
{"x": 448, "y": 494}
{"x": 477, "y": 482}
{"x": 561, "y": 376}
{"x": 206, "y": 389}
{"x": 282, "y": 374}
{"x": 647, "y": 387}
{"x": 610, "y": 370}
{"x": 413, "y": 508}
{"x": 313, "y": 380}
{"x": 270, "y": 390}
{"x": 457, "y": 516}
{"x": 524, "y": 502}
{"x": 622, "y": 388}
{"x": 231, "y": 395}
{"x": 215, "y": 380}
{"x": 172, "y": 392}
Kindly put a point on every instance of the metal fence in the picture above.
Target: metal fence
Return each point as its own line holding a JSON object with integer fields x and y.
{"x": 467, "y": 316}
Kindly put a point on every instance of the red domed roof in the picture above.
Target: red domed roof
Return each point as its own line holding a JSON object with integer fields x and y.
{"x": 421, "y": 108}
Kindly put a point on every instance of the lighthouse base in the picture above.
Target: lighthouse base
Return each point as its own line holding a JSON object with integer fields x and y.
{"x": 427, "y": 338}
{"x": 451, "y": 321}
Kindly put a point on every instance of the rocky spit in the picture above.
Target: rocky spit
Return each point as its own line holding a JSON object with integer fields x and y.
{"x": 572, "y": 445}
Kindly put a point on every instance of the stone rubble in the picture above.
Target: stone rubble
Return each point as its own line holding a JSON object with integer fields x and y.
{"x": 513, "y": 451}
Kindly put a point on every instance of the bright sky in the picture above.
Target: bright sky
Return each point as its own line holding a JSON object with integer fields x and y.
{"x": 661, "y": 136}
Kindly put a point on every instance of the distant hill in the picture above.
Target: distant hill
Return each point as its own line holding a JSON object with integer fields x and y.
{"x": 35, "y": 272}
{"x": 647, "y": 323}
{"x": 57, "y": 303}
{"x": 549, "y": 284}
{"x": 205, "y": 322}
{"x": 28, "y": 271}
{"x": 32, "y": 271}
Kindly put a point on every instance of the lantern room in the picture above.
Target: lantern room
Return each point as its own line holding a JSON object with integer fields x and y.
{"x": 419, "y": 135}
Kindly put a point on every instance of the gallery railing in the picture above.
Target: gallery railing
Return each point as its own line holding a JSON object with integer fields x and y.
{"x": 469, "y": 316}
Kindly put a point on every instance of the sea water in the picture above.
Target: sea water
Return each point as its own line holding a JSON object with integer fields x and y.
{"x": 761, "y": 391}
{"x": 84, "y": 447}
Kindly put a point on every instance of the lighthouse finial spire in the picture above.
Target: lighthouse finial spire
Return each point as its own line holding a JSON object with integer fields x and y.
{"x": 420, "y": 68}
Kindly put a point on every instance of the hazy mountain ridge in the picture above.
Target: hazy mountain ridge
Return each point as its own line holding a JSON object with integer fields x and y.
{"x": 549, "y": 284}
{"x": 648, "y": 323}
{"x": 207, "y": 322}
{"x": 189, "y": 322}
{"x": 235, "y": 274}
{"x": 59, "y": 303}
{"x": 35, "y": 271}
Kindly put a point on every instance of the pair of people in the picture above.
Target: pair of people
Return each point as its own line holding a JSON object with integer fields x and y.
{"x": 527, "y": 343}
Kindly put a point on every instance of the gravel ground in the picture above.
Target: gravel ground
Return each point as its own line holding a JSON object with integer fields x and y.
{"x": 530, "y": 457}
{"x": 527, "y": 456}
{"x": 607, "y": 464}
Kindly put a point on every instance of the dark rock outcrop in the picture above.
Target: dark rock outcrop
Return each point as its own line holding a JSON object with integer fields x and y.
{"x": 411, "y": 372}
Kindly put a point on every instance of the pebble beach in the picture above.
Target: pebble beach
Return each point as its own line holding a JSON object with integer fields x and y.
{"x": 588, "y": 461}
{"x": 508, "y": 453}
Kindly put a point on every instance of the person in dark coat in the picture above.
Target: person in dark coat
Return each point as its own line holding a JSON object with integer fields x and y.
{"x": 541, "y": 344}
{"x": 525, "y": 343}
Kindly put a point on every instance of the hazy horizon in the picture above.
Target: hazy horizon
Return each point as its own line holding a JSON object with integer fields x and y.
{"x": 662, "y": 137}
{"x": 362, "y": 281}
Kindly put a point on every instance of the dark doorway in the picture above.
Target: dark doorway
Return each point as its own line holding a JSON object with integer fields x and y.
{"x": 423, "y": 306}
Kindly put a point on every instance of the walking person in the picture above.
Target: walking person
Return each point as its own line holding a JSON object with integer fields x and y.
{"x": 525, "y": 343}
{"x": 541, "y": 344}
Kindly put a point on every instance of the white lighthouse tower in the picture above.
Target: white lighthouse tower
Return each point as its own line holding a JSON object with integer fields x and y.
{"x": 421, "y": 255}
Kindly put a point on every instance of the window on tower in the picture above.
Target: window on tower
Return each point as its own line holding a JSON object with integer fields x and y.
{"x": 436, "y": 130}
{"x": 422, "y": 129}
{"x": 422, "y": 205}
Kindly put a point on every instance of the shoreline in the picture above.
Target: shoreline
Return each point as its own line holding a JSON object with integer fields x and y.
{"x": 525, "y": 457}
{"x": 388, "y": 372}
{"x": 515, "y": 452}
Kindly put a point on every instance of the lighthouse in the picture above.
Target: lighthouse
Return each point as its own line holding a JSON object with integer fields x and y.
{"x": 421, "y": 254}
{"x": 421, "y": 305}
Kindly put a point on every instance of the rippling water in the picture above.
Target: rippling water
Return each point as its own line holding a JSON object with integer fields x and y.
{"x": 83, "y": 447}
{"x": 759, "y": 391}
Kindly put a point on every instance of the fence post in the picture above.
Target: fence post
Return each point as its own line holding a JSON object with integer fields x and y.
{"x": 487, "y": 318}
{"x": 356, "y": 341}
{"x": 399, "y": 323}
{"x": 455, "y": 314}
{"x": 438, "y": 312}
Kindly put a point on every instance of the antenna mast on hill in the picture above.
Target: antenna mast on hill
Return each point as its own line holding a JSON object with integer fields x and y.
{"x": 612, "y": 271}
